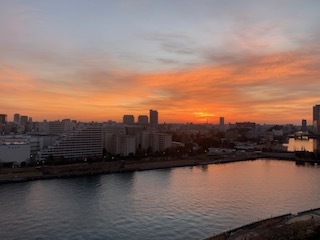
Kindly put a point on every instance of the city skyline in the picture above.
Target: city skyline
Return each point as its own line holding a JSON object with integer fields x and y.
{"x": 192, "y": 61}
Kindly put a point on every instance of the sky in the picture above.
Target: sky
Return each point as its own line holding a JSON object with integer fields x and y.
{"x": 193, "y": 61}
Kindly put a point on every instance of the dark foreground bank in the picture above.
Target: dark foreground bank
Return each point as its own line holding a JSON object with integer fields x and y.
{"x": 8, "y": 175}
{"x": 304, "y": 225}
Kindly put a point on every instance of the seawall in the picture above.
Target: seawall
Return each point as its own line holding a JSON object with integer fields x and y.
{"x": 303, "y": 225}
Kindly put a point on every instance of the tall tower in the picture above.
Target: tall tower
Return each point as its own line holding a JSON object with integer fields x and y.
{"x": 153, "y": 117}
{"x": 221, "y": 121}
{"x": 304, "y": 125}
{"x": 16, "y": 118}
{"x": 3, "y": 119}
{"x": 316, "y": 119}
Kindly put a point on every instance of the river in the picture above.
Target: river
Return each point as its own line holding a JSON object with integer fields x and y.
{"x": 179, "y": 203}
{"x": 309, "y": 145}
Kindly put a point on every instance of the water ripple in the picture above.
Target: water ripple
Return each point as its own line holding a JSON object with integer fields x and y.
{"x": 182, "y": 203}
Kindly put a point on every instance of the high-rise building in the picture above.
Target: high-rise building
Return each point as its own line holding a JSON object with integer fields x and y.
{"x": 143, "y": 119}
{"x": 24, "y": 120}
{"x": 128, "y": 119}
{"x": 3, "y": 119}
{"x": 221, "y": 121}
{"x": 16, "y": 118}
{"x": 316, "y": 119}
{"x": 304, "y": 125}
{"x": 153, "y": 117}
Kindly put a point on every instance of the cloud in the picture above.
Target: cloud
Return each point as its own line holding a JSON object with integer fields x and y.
{"x": 245, "y": 69}
{"x": 280, "y": 87}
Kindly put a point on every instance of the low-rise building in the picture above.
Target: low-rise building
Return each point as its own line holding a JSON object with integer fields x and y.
{"x": 14, "y": 151}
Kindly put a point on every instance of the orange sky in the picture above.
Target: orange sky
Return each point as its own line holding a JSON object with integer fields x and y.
{"x": 277, "y": 88}
{"x": 242, "y": 66}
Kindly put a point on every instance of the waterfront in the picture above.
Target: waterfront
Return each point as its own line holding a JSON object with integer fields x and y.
{"x": 309, "y": 145}
{"x": 181, "y": 203}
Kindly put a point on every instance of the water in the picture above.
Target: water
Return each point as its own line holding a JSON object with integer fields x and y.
{"x": 180, "y": 203}
{"x": 309, "y": 145}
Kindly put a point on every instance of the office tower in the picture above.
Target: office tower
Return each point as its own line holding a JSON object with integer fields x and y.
{"x": 128, "y": 119}
{"x": 143, "y": 119}
{"x": 3, "y": 119}
{"x": 304, "y": 125}
{"x": 316, "y": 119}
{"x": 30, "y": 120}
{"x": 24, "y": 120}
{"x": 16, "y": 118}
{"x": 221, "y": 121}
{"x": 153, "y": 117}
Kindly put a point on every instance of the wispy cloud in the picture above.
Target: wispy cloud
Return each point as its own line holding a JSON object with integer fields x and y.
{"x": 220, "y": 60}
{"x": 265, "y": 89}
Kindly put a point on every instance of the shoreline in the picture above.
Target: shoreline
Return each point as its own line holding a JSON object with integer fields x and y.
{"x": 14, "y": 175}
{"x": 302, "y": 225}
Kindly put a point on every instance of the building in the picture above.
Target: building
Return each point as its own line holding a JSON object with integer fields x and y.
{"x": 23, "y": 120}
{"x": 109, "y": 131}
{"x": 59, "y": 127}
{"x": 34, "y": 142}
{"x": 84, "y": 141}
{"x": 246, "y": 125}
{"x": 143, "y": 140}
{"x": 160, "y": 141}
{"x": 143, "y": 119}
{"x": 304, "y": 125}
{"x": 165, "y": 141}
{"x": 154, "y": 117}
{"x": 14, "y": 151}
{"x": 316, "y": 119}
{"x": 120, "y": 139}
{"x": 16, "y": 118}
{"x": 128, "y": 119}
{"x": 3, "y": 119}
{"x": 41, "y": 126}
{"x": 124, "y": 144}
{"x": 221, "y": 121}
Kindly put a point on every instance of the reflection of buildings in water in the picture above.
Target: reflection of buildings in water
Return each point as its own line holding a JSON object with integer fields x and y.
{"x": 204, "y": 168}
{"x": 309, "y": 145}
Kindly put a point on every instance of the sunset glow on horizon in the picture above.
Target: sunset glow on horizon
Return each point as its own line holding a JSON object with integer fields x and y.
{"x": 193, "y": 61}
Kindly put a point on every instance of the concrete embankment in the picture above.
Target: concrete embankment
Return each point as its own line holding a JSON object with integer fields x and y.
{"x": 304, "y": 225}
{"x": 82, "y": 169}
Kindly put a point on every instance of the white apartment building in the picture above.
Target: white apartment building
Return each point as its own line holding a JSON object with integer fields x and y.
{"x": 109, "y": 131}
{"x": 160, "y": 141}
{"x": 14, "y": 151}
{"x": 143, "y": 140}
{"x": 124, "y": 144}
{"x": 116, "y": 140}
{"x": 84, "y": 141}
{"x": 165, "y": 141}
{"x": 121, "y": 139}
